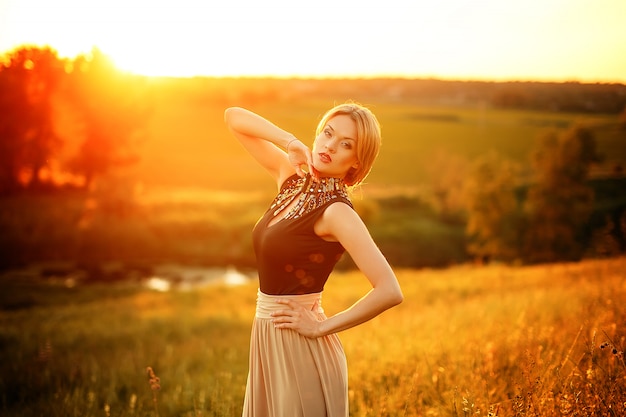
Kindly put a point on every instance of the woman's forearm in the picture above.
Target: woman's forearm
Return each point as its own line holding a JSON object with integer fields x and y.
{"x": 251, "y": 124}
{"x": 372, "y": 304}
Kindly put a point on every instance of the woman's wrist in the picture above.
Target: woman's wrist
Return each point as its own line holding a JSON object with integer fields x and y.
{"x": 290, "y": 142}
{"x": 322, "y": 330}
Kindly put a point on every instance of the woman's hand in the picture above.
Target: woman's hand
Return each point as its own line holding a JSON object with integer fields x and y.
{"x": 298, "y": 318}
{"x": 299, "y": 156}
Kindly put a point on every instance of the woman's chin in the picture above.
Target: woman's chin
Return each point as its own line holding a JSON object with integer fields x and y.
{"x": 320, "y": 172}
{"x": 317, "y": 169}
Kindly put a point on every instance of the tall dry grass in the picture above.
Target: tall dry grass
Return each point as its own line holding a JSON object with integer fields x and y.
{"x": 497, "y": 341}
{"x": 468, "y": 341}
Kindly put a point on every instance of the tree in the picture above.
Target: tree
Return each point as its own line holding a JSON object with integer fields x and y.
{"x": 446, "y": 173}
{"x": 113, "y": 109}
{"x": 559, "y": 204}
{"x": 28, "y": 80}
{"x": 492, "y": 208}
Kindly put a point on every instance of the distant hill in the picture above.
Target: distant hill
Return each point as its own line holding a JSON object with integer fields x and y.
{"x": 600, "y": 98}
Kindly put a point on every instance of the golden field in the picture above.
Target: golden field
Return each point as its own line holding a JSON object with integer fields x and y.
{"x": 468, "y": 341}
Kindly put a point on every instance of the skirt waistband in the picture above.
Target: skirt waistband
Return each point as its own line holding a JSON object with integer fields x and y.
{"x": 266, "y": 304}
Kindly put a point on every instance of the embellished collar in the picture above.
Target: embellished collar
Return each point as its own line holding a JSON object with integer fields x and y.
{"x": 310, "y": 194}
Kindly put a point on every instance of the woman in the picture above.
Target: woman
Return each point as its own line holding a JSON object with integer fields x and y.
{"x": 297, "y": 363}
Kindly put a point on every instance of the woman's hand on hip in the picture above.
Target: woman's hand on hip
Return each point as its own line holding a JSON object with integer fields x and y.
{"x": 296, "y": 317}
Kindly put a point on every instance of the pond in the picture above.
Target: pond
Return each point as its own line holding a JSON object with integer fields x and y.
{"x": 158, "y": 277}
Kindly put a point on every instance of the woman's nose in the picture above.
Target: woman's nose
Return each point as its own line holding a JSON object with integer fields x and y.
{"x": 330, "y": 145}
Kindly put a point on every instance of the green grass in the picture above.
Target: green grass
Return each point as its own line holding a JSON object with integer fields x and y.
{"x": 187, "y": 143}
{"x": 467, "y": 341}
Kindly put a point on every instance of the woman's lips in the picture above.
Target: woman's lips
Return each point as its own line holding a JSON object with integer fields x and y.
{"x": 324, "y": 157}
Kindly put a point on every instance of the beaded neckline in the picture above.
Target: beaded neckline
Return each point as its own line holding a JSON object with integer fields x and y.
{"x": 311, "y": 195}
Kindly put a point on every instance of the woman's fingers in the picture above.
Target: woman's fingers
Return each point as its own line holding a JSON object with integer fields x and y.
{"x": 290, "y": 315}
{"x": 298, "y": 318}
{"x": 313, "y": 171}
{"x": 300, "y": 155}
{"x": 299, "y": 171}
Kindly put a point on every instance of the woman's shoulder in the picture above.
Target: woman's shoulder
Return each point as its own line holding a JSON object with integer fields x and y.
{"x": 338, "y": 219}
{"x": 340, "y": 212}
{"x": 340, "y": 208}
{"x": 288, "y": 179}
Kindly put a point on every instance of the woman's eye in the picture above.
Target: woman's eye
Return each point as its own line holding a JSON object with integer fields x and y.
{"x": 346, "y": 145}
{"x": 327, "y": 133}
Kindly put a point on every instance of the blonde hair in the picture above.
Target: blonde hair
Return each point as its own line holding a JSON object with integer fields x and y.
{"x": 368, "y": 138}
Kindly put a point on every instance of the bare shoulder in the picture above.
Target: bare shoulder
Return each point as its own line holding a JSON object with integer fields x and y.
{"x": 339, "y": 221}
{"x": 340, "y": 209}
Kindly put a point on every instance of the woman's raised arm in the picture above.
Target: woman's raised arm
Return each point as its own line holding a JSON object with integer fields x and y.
{"x": 263, "y": 140}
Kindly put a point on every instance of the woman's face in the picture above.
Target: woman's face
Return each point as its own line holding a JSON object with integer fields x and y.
{"x": 334, "y": 150}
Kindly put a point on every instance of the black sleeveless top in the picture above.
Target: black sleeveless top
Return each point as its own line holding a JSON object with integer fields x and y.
{"x": 291, "y": 258}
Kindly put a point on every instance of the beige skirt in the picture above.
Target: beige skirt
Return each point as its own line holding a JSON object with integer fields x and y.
{"x": 291, "y": 375}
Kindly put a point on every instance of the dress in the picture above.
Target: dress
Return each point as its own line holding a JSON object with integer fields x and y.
{"x": 291, "y": 375}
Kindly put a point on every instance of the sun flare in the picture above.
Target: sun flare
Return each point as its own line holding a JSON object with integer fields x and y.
{"x": 555, "y": 40}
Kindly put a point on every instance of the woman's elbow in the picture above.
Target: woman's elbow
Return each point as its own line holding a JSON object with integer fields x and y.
{"x": 397, "y": 298}
{"x": 394, "y": 296}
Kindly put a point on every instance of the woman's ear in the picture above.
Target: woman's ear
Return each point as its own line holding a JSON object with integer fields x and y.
{"x": 356, "y": 165}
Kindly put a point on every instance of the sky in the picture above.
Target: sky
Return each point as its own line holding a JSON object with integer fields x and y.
{"x": 499, "y": 40}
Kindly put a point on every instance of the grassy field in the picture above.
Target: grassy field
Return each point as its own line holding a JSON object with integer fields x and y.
{"x": 187, "y": 144}
{"x": 467, "y": 341}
